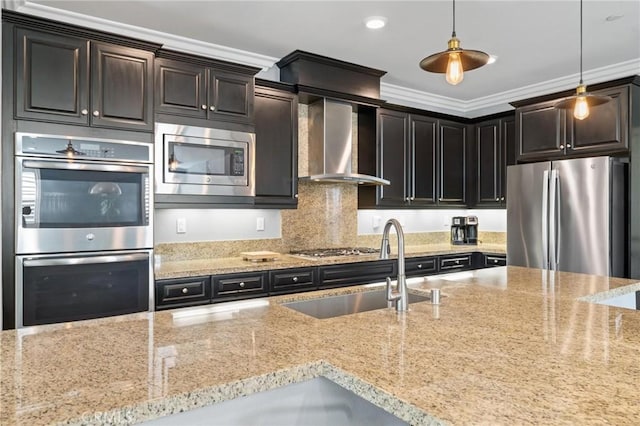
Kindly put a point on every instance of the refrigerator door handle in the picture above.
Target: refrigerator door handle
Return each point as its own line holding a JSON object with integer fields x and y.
{"x": 545, "y": 219}
{"x": 553, "y": 220}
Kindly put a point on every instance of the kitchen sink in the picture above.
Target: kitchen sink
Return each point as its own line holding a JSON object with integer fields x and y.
{"x": 316, "y": 401}
{"x": 335, "y": 306}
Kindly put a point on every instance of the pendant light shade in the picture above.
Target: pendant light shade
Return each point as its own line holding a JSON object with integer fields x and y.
{"x": 455, "y": 60}
{"x": 582, "y": 101}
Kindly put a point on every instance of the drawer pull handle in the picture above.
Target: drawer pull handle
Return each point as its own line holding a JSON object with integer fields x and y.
{"x": 294, "y": 279}
{"x": 96, "y": 113}
{"x": 203, "y": 106}
{"x": 242, "y": 284}
{"x": 495, "y": 260}
{"x": 84, "y": 112}
{"x": 212, "y": 108}
{"x": 420, "y": 266}
{"x": 185, "y": 290}
{"x": 457, "y": 262}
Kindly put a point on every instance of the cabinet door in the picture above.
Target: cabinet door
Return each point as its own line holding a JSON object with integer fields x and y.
{"x": 605, "y": 129}
{"x": 508, "y": 150}
{"x": 488, "y": 157}
{"x": 121, "y": 87}
{"x": 230, "y": 97}
{"x": 276, "y": 120}
{"x": 181, "y": 89}
{"x": 423, "y": 164}
{"x": 392, "y": 138}
{"x": 540, "y": 131}
{"x": 453, "y": 153}
{"x": 52, "y": 82}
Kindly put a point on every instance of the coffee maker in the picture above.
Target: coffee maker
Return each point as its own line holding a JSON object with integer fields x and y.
{"x": 464, "y": 230}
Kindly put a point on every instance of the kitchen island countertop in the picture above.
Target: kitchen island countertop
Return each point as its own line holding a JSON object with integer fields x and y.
{"x": 507, "y": 345}
{"x": 225, "y": 265}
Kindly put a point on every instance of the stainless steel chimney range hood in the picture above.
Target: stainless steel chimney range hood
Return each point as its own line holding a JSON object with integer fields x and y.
{"x": 330, "y": 145}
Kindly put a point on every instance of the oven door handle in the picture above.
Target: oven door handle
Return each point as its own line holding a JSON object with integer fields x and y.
{"x": 34, "y": 164}
{"x": 86, "y": 260}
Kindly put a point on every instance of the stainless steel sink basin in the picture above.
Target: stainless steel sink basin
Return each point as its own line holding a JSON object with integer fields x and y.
{"x": 315, "y": 402}
{"x": 335, "y": 306}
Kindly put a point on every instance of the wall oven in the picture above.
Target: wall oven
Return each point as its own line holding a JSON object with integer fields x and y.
{"x": 84, "y": 228}
{"x": 193, "y": 160}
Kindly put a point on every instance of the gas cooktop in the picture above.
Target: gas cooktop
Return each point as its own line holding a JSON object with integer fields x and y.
{"x": 329, "y": 252}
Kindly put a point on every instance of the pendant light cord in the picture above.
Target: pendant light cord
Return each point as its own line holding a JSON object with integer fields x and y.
{"x": 580, "y": 41}
{"x": 453, "y": 34}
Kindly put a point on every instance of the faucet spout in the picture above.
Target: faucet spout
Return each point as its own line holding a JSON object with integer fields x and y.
{"x": 400, "y": 296}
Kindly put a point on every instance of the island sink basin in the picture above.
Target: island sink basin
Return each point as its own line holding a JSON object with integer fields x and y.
{"x": 345, "y": 304}
{"x": 316, "y": 401}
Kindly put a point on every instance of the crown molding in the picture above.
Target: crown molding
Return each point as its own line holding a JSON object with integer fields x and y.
{"x": 169, "y": 41}
{"x": 12, "y": 4}
{"x": 499, "y": 102}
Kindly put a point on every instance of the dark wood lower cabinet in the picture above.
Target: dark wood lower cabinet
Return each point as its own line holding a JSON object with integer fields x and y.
{"x": 182, "y": 292}
{"x": 239, "y": 286}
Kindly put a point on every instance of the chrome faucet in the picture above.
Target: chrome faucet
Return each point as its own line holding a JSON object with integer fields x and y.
{"x": 400, "y": 295}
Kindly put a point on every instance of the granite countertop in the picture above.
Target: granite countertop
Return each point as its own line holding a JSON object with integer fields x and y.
{"x": 507, "y": 345}
{"x": 198, "y": 267}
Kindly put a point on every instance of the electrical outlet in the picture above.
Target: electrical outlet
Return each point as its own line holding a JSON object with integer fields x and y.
{"x": 376, "y": 222}
{"x": 260, "y": 224}
{"x": 447, "y": 221}
{"x": 181, "y": 225}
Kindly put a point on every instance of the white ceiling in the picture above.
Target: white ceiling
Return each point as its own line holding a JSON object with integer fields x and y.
{"x": 536, "y": 42}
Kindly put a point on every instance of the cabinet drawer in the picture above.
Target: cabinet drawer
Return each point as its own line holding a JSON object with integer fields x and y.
{"x": 494, "y": 260}
{"x": 238, "y": 284}
{"x": 461, "y": 261}
{"x": 355, "y": 273}
{"x": 182, "y": 292}
{"x": 421, "y": 266}
{"x": 292, "y": 279}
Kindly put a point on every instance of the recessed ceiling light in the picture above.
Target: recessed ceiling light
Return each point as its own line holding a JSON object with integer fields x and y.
{"x": 375, "y": 22}
{"x": 613, "y": 18}
{"x": 492, "y": 59}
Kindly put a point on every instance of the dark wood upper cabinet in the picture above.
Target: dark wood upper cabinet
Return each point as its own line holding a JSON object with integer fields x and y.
{"x": 276, "y": 121}
{"x": 541, "y": 131}
{"x": 204, "y": 89}
{"x": 121, "y": 87}
{"x": 74, "y": 80}
{"x": 423, "y": 160}
{"x": 494, "y": 150}
{"x": 52, "y": 77}
{"x": 453, "y": 163}
{"x": 392, "y": 159}
{"x": 489, "y": 172}
{"x": 605, "y": 130}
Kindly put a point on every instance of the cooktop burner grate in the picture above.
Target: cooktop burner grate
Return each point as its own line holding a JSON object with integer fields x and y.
{"x": 342, "y": 251}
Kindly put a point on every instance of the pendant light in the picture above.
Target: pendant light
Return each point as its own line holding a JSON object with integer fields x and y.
{"x": 582, "y": 100}
{"x": 455, "y": 60}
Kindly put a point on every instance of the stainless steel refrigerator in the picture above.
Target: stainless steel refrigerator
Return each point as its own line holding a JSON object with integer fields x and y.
{"x": 568, "y": 215}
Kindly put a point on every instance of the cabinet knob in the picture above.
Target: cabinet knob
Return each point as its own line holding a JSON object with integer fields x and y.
{"x": 84, "y": 112}
{"x": 295, "y": 196}
{"x": 568, "y": 145}
{"x": 457, "y": 262}
{"x": 561, "y": 146}
{"x": 212, "y": 108}
{"x": 294, "y": 279}
{"x": 406, "y": 199}
{"x": 495, "y": 260}
{"x": 203, "y": 106}
{"x": 498, "y": 199}
{"x": 185, "y": 290}
{"x": 420, "y": 266}
{"x": 502, "y": 199}
{"x": 241, "y": 285}
{"x": 439, "y": 199}
{"x": 96, "y": 113}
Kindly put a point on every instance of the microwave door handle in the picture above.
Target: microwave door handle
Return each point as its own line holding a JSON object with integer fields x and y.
{"x": 34, "y": 164}
{"x": 86, "y": 260}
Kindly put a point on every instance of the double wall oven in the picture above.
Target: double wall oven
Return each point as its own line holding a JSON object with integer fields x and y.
{"x": 84, "y": 228}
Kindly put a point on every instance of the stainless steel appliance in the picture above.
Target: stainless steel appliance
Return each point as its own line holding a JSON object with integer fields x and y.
{"x": 568, "y": 215}
{"x": 202, "y": 161}
{"x": 82, "y": 194}
{"x": 464, "y": 230}
{"x": 84, "y": 228}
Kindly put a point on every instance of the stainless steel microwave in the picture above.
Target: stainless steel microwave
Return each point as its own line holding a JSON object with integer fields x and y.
{"x": 203, "y": 161}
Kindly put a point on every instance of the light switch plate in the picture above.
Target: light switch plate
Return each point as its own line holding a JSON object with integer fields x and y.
{"x": 181, "y": 225}
{"x": 260, "y": 224}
